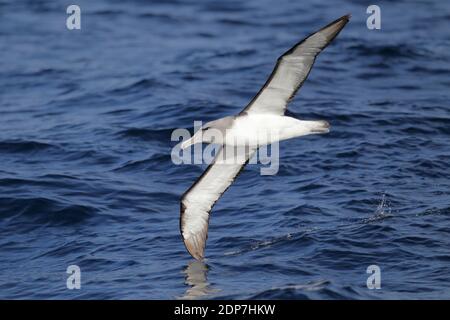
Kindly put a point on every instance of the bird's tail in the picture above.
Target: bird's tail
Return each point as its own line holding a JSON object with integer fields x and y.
{"x": 319, "y": 126}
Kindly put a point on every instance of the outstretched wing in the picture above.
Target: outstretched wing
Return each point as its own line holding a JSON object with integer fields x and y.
{"x": 199, "y": 199}
{"x": 292, "y": 69}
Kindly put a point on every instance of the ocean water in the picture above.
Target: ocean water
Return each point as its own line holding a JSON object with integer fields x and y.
{"x": 86, "y": 176}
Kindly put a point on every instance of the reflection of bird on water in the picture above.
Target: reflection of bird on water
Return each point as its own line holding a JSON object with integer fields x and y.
{"x": 196, "y": 278}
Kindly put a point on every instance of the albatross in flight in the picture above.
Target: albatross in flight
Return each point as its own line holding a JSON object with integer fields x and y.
{"x": 261, "y": 122}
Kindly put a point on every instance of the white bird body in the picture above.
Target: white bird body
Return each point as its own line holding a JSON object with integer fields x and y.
{"x": 260, "y": 123}
{"x": 256, "y": 130}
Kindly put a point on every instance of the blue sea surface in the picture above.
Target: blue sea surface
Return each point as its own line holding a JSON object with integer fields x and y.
{"x": 86, "y": 176}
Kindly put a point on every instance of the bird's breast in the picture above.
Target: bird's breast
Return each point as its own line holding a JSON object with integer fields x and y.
{"x": 259, "y": 129}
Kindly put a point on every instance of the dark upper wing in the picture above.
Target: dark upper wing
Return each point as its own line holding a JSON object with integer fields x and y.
{"x": 292, "y": 69}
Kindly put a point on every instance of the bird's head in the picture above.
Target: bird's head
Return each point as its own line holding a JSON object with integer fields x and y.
{"x": 211, "y": 132}
{"x": 204, "y": 134}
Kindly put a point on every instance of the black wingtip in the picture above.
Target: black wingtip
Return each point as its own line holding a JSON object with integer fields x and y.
{"x": 345, "y": 18}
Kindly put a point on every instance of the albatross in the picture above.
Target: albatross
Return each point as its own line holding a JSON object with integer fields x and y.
{"x": 261, "y": 122}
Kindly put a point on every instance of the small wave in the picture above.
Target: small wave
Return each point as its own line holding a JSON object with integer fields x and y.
{"x": 44, "y": 211}
{"x": 138, "y": 86}
{"x": 430, "y": 71}
{"x": 41, "y": 73}
{"x": 90, "y": 156}
{"x": 118, "y": 112}
{"x": 294, "y": 291}
{"x": 23, "y": 146}
{"x": 146, "y": 134}
{"x": 229, "y": 6}
{"x": 108, "y": 12}
{"x": 388, "y": 51}
{"x": 239, "y": 53}
{"x": 236, "y": 22}
{"x": 160, "y": 17}
{"x": 156, "y": 161}
{"x": 382, "y": 212}
{"x": 434, "y": 212}
{"x": 373, "y": 75}
{"x": 51, "y": 181}
{"x": 261, "y": 244}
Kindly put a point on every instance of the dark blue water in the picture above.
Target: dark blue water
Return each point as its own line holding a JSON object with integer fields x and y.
{"x": 86, "y": 176}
